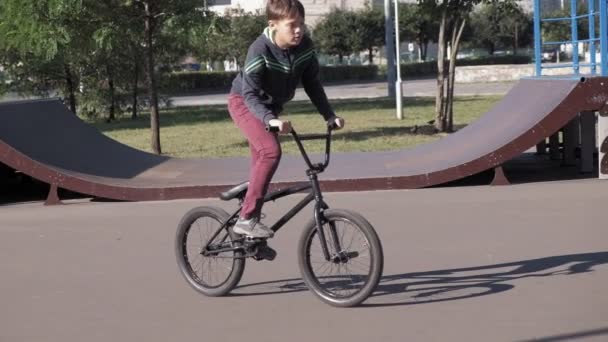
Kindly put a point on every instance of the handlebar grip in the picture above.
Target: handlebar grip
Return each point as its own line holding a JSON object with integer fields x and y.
{"x": 273, "y": 129}
{"x": 331, "y": 125}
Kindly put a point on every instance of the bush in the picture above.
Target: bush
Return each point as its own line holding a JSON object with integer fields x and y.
{"x": 191, "y": 81}
{"x": 196, "y": 81}
{"x": 180, "y": 82}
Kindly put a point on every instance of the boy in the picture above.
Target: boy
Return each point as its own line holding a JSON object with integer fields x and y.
{"x": 276, "y": 62}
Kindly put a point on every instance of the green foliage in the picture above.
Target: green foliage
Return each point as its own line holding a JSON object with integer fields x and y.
{"x": 562, "y": 30}
{"x": 418, "y": 23}
{"x": 497, "y": 25}
{"x": 179, "y": 82}
{"x": 336, "y": 33}
{"x": 91, "y": 51}
{"x": 369, "y": 30}
{"x": 228, "y": 37}
{"x": 41, "y": 28}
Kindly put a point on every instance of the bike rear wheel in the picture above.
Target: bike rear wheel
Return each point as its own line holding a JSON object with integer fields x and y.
{"x": 353, "y": 271}
{"x": 210, "y": 273}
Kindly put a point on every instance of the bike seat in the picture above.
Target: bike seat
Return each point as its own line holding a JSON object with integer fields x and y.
{"x": 238, "y": 191}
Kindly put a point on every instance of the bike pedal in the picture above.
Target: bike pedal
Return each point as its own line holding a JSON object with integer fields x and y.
{"x": 265, "y": 253}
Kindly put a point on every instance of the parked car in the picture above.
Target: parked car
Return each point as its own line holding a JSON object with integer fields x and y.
{"x": 549, "y": 55}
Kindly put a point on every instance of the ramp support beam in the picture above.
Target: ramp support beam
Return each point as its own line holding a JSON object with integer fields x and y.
{"x": 587, "y": 141}
{"x": 499, "y": 177}
{"x": 554, "y": 153}
{"x": 602, "y": 138}
{"x": 53, "y": 196}
{"x": 570, "y": 142}
{"x": 541, "y": 147}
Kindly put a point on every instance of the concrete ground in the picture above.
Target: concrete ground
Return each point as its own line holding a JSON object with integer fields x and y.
{"x": 479, "y": 263}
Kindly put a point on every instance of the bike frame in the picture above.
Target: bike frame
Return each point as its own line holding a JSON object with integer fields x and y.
{"x": 314, "y": 194}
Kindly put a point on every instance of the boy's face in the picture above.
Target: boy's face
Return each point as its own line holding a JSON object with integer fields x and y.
{"x": 287, "y": 32}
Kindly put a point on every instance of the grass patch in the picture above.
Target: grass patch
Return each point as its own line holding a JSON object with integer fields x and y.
{"x": 208, "y": 131}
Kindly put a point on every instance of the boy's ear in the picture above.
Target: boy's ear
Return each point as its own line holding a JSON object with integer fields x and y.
{"x": 272, "y": 24}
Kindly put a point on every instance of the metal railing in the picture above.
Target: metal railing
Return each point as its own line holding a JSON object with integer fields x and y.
{"x": 593, "y": 13}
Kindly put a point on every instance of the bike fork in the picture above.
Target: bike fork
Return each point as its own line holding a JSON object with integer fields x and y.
{"x": 320, "y": 205}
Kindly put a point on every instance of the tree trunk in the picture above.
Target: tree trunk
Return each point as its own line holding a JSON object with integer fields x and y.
{"x": 425, "y": 49}
{"x": 423, "y": 45}
{"x": 111, "y": 116}
{"x": 135, "y": 81}
{"x": 152, "y": 94}
{"x": 69, "y": 80}
{"x": 340, "y": 58}
{"x": 371, "y": 55}
{"x": 456, "y": 35}
{"x": 439, "y": 100}
{"x": 516, "y": 40}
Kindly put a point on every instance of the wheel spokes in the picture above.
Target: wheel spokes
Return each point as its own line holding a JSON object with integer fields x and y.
{"x": 349, "y": 269}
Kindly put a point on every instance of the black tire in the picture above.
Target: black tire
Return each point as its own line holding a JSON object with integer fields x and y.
{"x": 189, "y": 257}
{"x": 327, "y": 287}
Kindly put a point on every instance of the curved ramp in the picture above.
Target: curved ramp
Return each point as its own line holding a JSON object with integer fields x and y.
{"x": 46, "y": 141}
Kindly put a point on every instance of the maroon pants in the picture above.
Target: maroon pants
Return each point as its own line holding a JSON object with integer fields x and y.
{"x": 265, "y": 154}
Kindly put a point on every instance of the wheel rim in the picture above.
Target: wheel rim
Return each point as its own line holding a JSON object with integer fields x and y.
{"x": 346, "y": 274}
{"x": 208, "y": 271}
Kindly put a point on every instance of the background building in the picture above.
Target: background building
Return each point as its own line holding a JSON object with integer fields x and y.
{"x": 315, "y": 9}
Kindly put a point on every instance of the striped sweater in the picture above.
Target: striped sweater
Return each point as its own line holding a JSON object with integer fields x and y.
{"x": 270, "y": 77}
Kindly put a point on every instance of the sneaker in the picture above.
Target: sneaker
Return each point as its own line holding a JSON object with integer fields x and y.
{"x": 252, "y": 228}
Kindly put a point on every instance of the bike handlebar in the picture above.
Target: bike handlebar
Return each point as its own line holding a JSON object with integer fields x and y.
{"x": 299, "y": 138}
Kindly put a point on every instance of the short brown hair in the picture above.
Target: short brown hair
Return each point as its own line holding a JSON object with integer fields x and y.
{"x": 283, "y": 9}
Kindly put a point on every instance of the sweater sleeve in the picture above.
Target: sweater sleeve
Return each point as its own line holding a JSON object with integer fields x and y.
{"x": 314, "y": 89}
{"x": 253, "y": 74}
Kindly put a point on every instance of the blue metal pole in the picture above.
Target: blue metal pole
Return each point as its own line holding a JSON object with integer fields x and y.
{"x": 574, "y": 29}
{"x": 591, "y": 5}
{"x": 537, "y": 39}
{"x": 604, "y": 36}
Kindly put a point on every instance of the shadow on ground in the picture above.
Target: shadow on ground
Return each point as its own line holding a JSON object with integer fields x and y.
{"x": 450, "y": 284}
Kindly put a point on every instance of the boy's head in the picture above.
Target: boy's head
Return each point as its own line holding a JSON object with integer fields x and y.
{"x": 286, "y": 21}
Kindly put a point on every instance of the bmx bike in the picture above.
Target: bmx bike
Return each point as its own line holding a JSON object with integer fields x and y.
{"x": 339, "y": 253}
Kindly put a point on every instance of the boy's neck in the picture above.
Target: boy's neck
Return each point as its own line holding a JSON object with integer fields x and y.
{"x": 281, "y": 46}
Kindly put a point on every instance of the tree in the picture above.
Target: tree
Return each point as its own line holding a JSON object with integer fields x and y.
{"x": 336, "y": 33}
{"x": 518, "y": 28}
{"x": 369, "y": 30}
{"x": 420, "y": 24}
{"x": 500, "y": 25}
{"x": 454, "y": 15}
{"x": 558, "y": 31}
{"x": 244, "y": 29}
{"x": 114, "y": 59}
{"x": 93, "y": 49}
{"x": 209, "y": 42}
{"x": 44, "y": 41}
{"x": 157, "y": 15}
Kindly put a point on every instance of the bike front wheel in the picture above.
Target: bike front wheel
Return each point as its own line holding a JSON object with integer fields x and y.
{"x": 356, "y": 259}
{"x": 210, "y": 267}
